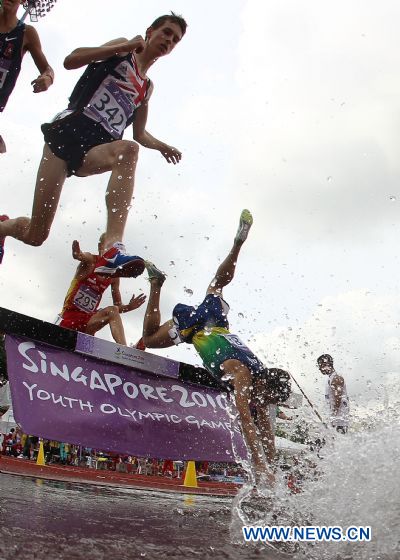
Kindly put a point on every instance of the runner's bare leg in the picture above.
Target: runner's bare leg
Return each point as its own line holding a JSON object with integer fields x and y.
{"x": 226, "y": 269}
{"x": 154, "y": 334}
{"x": 119, "y": 157}
{"x": 242, "y": 383}
{"x": 109, "y": 315}
{"x": 49, "y": 183}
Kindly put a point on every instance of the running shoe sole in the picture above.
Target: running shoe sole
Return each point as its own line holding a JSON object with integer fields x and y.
{"x": 130, "y": 269}
{"x": 154, "y": 272}
{"x": 245, "y": 223}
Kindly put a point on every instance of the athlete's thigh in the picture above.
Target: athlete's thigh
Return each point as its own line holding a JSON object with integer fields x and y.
{"x": 50, "y": 179}
{"x": 97, "y": 321}
{"x": 238, "y": 373}
{"x": 98, "y": 159}
{"x": 162, "y": 337}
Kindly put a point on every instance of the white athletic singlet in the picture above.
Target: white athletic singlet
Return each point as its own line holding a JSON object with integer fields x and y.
{"x": 342, "y": 416}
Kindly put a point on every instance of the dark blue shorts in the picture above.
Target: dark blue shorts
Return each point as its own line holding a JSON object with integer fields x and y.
{"x": 70, "y": 138}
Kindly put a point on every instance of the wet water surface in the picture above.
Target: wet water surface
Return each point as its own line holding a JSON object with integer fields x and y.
{"x": 357, "y": 485}
{"x": 62, "y": 520}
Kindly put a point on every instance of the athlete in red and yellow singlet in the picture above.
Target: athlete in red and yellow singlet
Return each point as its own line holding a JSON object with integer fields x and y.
{"x": 81, "y": 306}
{"x": 83, "y": 299}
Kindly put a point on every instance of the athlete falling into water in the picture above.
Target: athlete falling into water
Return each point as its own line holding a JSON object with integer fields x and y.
{"x": 223, "y": 353}
{"x": 86, "y": 139}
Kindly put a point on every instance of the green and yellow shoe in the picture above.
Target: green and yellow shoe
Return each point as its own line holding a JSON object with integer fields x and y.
{"x": 245, "y": 223}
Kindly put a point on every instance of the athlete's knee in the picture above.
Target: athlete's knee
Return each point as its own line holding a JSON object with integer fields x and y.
{"x": 36, "y": 242}
{"x": 113, "y": 311}
{"x": 148, "y": 341}
{"x": 24, "y": 233}
{"x": 36, "y": 239}
{"x": 126, "y": 151}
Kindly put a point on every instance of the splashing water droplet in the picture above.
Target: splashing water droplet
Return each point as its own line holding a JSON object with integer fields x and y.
{"x": 171, "y": 263}
{"x": 241, "y": 315}
{"x": 119, "y": 177}
{"x": 188, "y": 291}
{"x": 329, "y": 178}
{"x": 392, "y": 198}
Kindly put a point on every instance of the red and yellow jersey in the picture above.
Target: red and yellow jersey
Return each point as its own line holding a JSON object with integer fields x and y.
{"x": 85, "y": 295}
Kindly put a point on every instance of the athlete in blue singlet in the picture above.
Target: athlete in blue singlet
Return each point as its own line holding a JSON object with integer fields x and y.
{"x": 223, "y": 354}
{"x": 86, "y": 138}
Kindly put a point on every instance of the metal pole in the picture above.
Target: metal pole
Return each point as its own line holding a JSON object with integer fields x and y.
{"x": 309, "y": 402}
{"x": 24, "y": 16}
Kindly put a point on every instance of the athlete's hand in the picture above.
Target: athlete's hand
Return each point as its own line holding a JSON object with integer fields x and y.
{"x": 136, "y": 44}
{"x": 76, "y": 251}
{"x": 42, "y": 83}
{"x": 136, "y": 302}
{"x": 171, "y": 154}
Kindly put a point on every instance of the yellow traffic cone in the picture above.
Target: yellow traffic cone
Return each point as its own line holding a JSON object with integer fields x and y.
{"x": 190, "y": 476}
{"x": 40, "y": 458}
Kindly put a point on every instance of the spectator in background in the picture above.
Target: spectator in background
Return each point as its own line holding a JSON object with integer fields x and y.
{"x": 335, "y": 394}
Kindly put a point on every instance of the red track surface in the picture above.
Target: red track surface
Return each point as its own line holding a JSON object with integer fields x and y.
{"x": 22, "y": 467}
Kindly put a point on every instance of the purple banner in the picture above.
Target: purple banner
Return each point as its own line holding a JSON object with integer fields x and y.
{"x": 68, "y": 397}
{"x": 125, "y": 355}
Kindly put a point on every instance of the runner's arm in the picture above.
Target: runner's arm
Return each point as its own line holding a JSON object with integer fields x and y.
{"x": 85, "y": 55}
{"x": 269, "y": 441}
{"x": 264, "y": 425}
{"x": 140, "y": 134}
{"x": 134, "y": 302}
{"x": 116, "y": 294}
{"x": 32, "y": 44}
{"x": 283, "y": 416}
{"x": 79, "y": 255}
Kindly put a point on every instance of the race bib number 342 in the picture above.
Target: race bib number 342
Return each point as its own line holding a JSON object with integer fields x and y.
{"x": 109, "y": 107}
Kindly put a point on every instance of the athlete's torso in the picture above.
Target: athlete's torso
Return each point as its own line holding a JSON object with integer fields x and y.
{"x": 10, "y": 61}
{"x": 110, "y": 92}
{"x": 342, "y": 416}
{"x": 85, "y": 295}
{"x": 210, "y": 314}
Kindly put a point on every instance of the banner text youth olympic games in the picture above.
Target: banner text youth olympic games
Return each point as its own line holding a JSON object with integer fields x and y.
{"x": 64, "y": 396}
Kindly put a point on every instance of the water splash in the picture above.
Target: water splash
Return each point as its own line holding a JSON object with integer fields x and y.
{"x": 355, "y": 484}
